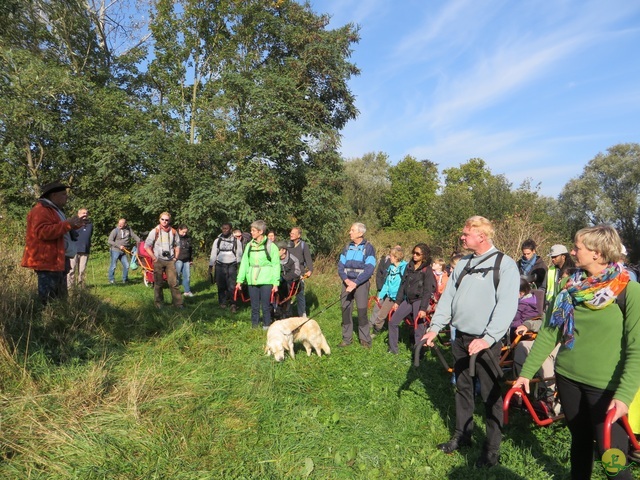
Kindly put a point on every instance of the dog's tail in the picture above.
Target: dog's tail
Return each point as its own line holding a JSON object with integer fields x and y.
{"x": 324, "y": 346}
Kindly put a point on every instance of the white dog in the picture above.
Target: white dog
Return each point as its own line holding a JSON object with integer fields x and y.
{"x": 280, "y": 337}
{"x": 282, "y": 333}
{"x": 311, "y": 336}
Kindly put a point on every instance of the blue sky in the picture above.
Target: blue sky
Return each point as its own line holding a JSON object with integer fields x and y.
{"x": 534, "y": 88}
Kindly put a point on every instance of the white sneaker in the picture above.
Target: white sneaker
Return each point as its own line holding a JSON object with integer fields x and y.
{"x": 188, "y": 294}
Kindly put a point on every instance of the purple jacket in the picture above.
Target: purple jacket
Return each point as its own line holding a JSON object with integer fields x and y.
{"x": 527, "y": 309}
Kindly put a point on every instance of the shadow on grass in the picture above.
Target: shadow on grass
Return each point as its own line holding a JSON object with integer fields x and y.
{"x": 440, "y": 392}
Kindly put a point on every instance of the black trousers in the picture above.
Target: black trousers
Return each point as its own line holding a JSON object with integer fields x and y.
{"x": 226, "y": 274}
{"x": 489, "y": 390}
{"x": 585, "y": 409}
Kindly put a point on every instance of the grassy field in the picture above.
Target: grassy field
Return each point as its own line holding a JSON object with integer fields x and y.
{"x": 108, "y": 387}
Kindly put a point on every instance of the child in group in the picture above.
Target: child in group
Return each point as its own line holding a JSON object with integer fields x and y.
{"x": 387, "y": 295}
{"x": 289, "y": 273}
{"x": 527, "y": 307}
{"x": 438, "y": 267}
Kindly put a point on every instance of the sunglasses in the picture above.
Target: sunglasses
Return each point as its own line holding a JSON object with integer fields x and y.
{"x": 164, "y": 219}
{"x": 417, "y": 253}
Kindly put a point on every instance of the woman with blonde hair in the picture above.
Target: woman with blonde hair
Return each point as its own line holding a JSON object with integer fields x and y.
{"x": 598, "y": 364}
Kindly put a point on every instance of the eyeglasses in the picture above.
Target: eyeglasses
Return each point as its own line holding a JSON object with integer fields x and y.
{"x": 164, "y": 219}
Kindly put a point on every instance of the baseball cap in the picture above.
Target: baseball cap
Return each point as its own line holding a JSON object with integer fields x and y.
{"x": 558, "y": 250}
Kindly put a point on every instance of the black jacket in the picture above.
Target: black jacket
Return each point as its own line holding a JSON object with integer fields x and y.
{"x": 186, "y": 251}
{"x": 417, "y": 284}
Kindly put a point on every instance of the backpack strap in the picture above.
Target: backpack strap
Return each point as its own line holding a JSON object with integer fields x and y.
{"x": 496, "y": 269}
{"x": 267, "y": 247}
{"x": 621, "y": 301}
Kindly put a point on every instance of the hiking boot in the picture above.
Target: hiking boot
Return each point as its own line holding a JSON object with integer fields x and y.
{"x": 343, "y": 344}
{"x": 488, "y": 458}
{"x": 223, "y": 306}
{"x": 233, "y": 309}
{"x": 365, "y": 344}
{"x": 456, "y": 443}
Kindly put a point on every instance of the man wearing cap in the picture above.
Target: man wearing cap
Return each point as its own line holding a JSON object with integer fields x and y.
{"x": 50, "y": 241}
{"x": 561, "y": 261}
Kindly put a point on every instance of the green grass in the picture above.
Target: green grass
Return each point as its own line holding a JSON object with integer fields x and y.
{"x": 108, "y": 387}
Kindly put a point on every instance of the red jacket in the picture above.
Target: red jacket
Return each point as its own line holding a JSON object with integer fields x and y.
{"x": 44, "y": 249}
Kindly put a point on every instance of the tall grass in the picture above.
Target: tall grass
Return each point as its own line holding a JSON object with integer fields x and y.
{"x": 106, "y": 386}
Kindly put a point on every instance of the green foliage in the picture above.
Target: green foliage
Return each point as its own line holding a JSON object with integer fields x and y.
{"x": 608, "y": 191}
{"x": 413, "y": 191}
{"x": 366, "y": 184}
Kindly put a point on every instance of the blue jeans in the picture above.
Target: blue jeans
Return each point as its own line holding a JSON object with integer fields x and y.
{"x": 260, "y": 297}
{"x": 183, "y": 270}
{"x": 301, "y": 300}
{"x": 124, "y": 259}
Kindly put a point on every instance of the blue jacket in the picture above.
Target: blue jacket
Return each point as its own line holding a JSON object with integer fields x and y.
{"x": 83, "y": 243}
{"x": 357, "y": 262}
{"x": 392, "y": 282}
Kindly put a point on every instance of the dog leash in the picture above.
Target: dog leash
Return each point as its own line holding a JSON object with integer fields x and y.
{"x": 330, "y": 305}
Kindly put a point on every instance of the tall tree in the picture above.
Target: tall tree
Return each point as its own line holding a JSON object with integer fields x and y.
{"x": 608, "y": 191}
{"x": 366, "y": 185}
{"x": 470, "y": 189}
{"x": 413, "y": 190}
{"x": 259, "y": 87}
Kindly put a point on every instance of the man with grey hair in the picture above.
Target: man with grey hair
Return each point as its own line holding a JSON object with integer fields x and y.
{"x": 355, "y": 267}
{"x": 300, "y": 249}
{"x": 480, "y": 301}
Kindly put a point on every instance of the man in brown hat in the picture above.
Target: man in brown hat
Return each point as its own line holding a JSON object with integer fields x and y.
{"x": 49, "y": 244}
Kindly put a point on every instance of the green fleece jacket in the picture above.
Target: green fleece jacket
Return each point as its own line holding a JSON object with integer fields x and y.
{"x": 256, "y": 268}
{"x": 606, "y": 350}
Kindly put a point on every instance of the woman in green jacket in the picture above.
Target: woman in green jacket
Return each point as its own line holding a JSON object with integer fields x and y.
{"x": 260, "y": 269}
{"x": 596, "y": 318}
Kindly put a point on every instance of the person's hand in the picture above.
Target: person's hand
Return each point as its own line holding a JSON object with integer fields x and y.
{"x": 121, "y": 247}
{"x": 350, "y": 285}
{"x": 238, "y": 286}
{"x": 307, "y": 274}
{"x": 523, "y": 383}
{"x": 210, "y": 268}
{"x": 477, "y": 345}
{"x": 394, "y": 307}
{"x": 521, "y": 330}
{"x": 621, "y": 409}
{"x": 429, "y": 337}
{"x": 275, "y": 289}
{"x": 76, "y": 222}
{"x": 422, "y": 314}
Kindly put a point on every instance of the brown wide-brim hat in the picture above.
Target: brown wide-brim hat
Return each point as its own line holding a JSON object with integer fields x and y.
{"x": 53, "y": 187}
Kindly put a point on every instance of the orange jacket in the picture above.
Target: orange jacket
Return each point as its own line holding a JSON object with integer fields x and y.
{"x": 44, "y": 249}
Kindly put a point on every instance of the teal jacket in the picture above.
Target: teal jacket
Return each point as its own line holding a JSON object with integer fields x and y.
{"x": 256, "y": 268}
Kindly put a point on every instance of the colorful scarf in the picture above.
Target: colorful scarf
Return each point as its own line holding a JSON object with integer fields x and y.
{"x": 595, "y": 292}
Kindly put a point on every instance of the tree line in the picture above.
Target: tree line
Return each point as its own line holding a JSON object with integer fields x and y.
{"x": 225, "y": 110}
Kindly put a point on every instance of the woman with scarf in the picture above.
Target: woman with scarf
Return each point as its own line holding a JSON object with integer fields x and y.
{"x": 596, "y": 318}
{"x": 531, "y": 266}
{"x": 416, "y": 288}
